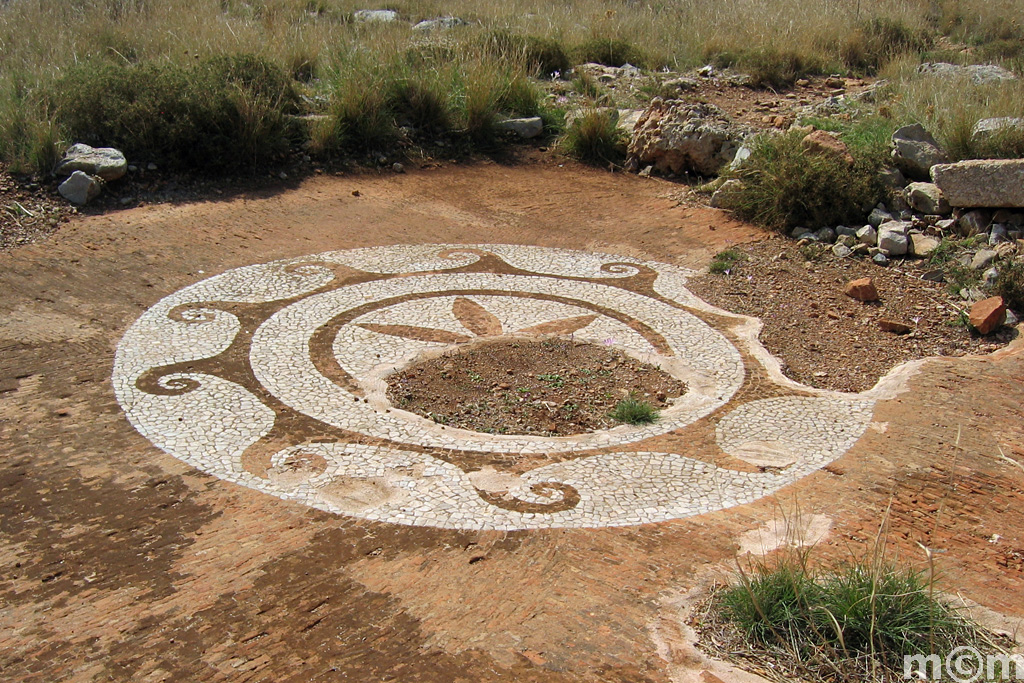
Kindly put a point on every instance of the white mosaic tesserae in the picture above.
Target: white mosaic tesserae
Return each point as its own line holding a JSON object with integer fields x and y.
{"x": 273, "y": 376}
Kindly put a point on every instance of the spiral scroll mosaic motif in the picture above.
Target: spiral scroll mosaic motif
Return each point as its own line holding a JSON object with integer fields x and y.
{"x": 273, "y": 376}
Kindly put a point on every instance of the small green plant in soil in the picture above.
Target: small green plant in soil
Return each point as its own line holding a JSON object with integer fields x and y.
{"x": 724, "y": 261}
{"x": 635, "y": 412}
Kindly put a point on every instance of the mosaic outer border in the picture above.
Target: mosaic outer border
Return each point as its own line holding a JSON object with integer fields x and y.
{"x": 243, "y": 376}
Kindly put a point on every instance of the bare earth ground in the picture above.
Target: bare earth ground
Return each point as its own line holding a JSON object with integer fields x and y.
{"x": 119, "y": 562}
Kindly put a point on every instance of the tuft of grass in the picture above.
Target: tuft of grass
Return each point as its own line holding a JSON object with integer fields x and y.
{"x": 635, "y": 412}
{"x": 785, "y": 186}
{"x": 724, "y": 261}
{"x": 595, "y": 138}
{"x": 853, "y": 620}
{"x": 610, "y": 52}
{"x": 878, "y": 41}
{"x": 586, "y": 85}
{"x": 543, "y": 56}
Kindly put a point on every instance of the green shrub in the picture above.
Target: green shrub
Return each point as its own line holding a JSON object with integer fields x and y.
{"x": 610, "y": 52}
{"x": 785, "y": 186}
{"x": 222, "y": 112}
{"x": 634, "y": 412}
{"x": 586, "y": 85}
{"x": 594, "y": 137}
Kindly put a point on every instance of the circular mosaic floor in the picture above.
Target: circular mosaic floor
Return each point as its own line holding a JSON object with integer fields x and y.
{"x": 273, "y": 376}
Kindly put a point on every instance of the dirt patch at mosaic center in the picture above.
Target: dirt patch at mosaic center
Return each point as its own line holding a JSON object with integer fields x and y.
{"x": 552, "y": 387}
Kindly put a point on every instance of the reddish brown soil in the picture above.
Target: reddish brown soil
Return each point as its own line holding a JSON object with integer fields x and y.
{"x": 119, "y": 562}
{"x": 825, "y": 338}
{"x": 553, "y": 387}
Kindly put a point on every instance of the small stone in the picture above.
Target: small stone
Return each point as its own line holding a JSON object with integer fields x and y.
{"x": 151, "y": 166}
{"x": 998, "y": 233}
{"x": 841, "y": 250}
{"x": 525, "y": 128}
{"x": 862, "y": 289}
{"x": 646, "y": 172}
{"x": 892, "y": 237}
{"x": 826, "y": 235}
{"x": 988, "y": 278}
{"x": 974, "y": 222}
{"x": 927, "y": 198}
{"x": 922, "y": 246}
{"x": 848, "y": 241}
{"x": 880, "y": 259}
{"x": 988, "y": 314}
{"x": 983, "y": 259}
{"x": 106, "y": 163}
{"x": 867, "y": 236}
{"x": 894, "y": 327}
{"x": 934, "y": 276}
{"x": 879, "y": 216}
{"x": 80, "y": 188}
{"x": 397, "y": 167}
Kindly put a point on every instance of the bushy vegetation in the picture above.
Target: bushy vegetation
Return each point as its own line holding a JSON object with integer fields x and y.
{"x": 1009, "y": 283}
{"x": 594, "y": 137}
{"x": 785, "y": 185}
{"x": 158, "y": 75}
{"x": 725, "y": 260}
{"x": 220, "y": 112}
{"x": 855, "y": 621}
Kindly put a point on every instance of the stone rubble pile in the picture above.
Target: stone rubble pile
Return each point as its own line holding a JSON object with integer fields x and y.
{"x": 86, "y": 170}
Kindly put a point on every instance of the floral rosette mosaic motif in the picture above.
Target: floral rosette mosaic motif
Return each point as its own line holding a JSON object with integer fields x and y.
{"x": 274, "y": 376}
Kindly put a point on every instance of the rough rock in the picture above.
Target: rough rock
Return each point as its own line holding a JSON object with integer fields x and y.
{"x": 862, "y": 289}
{"x": 927, "y": 198}
{"x": 846, "y": 230}
{"x": 879, "y": 216}
{"x": 680, "y": 137}
{"x": 915, "y": 151}
{"x": 979, "y": 73}
{"x": 847, "y": 241}
{"x": 973, "y": 223}
{"x": 525, "y": 128}
{"x": 986, "y": 129}
{"x": 80, "y": 188}
{"x": 998, "y": 233}
{"x": 1008, "y": 217}
{"x": 922, "y": 246}
{"x": 988, "y": 278}
{"x": 894, "y": 327}
{"x": 892, "y": 237}
{"x": 983, "y": 259}
{"x": 383, "y": 16}
{"x": 103, "y": 162}
{"x": 742, "y": 155}
{"x": 892, "y": 178}
{"x": 628, "y": 119}
{"x": 827, "y": 235}
{"x": 988, "y": 314}
{"x": 880, "y": 259}
{"x": 868, "y": 235}
{"x": 439, "y": 23}
{"x": 722, "y": 198}
{"x": 841, "y": 250}
{"x": 946, "y": 224}
{"x": 824, "y": 143}
{"x": 993, "y": 183}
